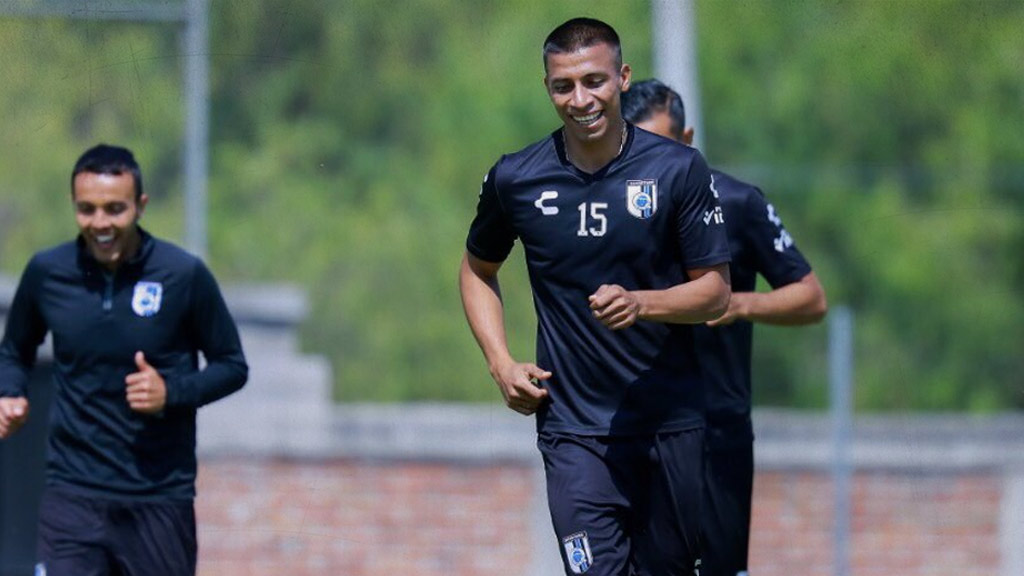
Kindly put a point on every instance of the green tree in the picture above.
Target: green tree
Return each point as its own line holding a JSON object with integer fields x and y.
{"x": 348, "y": 141}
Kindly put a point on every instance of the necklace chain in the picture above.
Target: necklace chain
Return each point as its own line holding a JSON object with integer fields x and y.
{"x": 622, "y": 144}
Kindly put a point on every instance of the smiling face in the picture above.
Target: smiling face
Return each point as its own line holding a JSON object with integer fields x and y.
{"x": 585, "y": 87}
{"x": 107, "y": 213}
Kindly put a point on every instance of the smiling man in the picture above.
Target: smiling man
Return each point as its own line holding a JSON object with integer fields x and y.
{"x": 129, "y": 315}
{"x": 623, "y": 260}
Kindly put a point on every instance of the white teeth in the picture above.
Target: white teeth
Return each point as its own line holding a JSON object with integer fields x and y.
{"x": 105, "y": 238}
{"x": 588, "y": 119}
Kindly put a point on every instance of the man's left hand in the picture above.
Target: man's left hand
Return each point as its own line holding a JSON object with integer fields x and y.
{"x": 146, "y": 389}
{"x": 614, "y": 306}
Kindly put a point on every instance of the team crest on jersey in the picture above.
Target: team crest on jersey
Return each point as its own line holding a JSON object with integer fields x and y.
{"x": 642, "y": 198}
{"x": 577, "y": 552}
{"x": 146, "y": 298}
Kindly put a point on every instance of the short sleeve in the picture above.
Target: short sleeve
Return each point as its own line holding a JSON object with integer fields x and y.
{"x": 490, "y": 238}
{"x": 701, "y": 223}
{"x": 775, "y": 254}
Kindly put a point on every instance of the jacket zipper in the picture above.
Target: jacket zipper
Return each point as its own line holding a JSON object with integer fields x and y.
{"x": 108, "y": 292}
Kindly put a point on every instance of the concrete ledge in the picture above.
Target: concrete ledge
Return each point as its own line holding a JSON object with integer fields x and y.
{"x": 465, "y": 433}
{"x": 785, "y": 439}
{"x": 788, "y": 439}
{"x": 266, "y": 304}
{"x": 8, "y": 286}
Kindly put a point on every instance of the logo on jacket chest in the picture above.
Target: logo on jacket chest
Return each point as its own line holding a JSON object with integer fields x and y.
{"x": 147, "y": 298}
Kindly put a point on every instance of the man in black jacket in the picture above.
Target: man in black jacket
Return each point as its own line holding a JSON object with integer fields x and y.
{"x": 129, "y": 315}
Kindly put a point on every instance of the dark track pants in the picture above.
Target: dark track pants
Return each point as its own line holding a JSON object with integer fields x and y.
{"x": 88, "y": 536}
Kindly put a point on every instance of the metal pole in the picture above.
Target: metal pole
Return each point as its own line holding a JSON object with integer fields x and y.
{"x": 1011, "y": 522}
{"x": 840, "y": 361}
{"x": 674, "y": 27}
{"x": 195, "y": 42}
{"x": 196, "y": 125}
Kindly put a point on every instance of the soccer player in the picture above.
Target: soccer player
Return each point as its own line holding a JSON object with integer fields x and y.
{"x": 625, "y": 249}
{"x": 129, "y": 314}
{"x": 759, "y": 245}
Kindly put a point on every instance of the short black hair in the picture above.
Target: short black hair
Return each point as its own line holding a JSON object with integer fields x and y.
{"x": 580, "y": 33}
{"x": 106, "y": 159}
{"x": 646, "y": 97}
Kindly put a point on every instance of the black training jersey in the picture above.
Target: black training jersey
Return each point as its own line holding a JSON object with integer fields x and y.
{"x": 640, "y": 222}
{"x": 163, "y": 302}
{"x": 759, "y": 245}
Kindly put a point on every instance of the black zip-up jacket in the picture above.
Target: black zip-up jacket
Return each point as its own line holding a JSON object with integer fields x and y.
{"x": 164, "y": 302}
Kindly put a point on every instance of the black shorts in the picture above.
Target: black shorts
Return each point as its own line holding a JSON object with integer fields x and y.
{"x": 624, "y": 506}
{"x": 88, "y": 536}
{"x": 729, "y": 484}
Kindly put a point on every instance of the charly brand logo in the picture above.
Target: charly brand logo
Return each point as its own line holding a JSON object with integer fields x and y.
{"x": 577, "y": 552}
{"x": 642, "y": 198}
{"x": 147, "y": 298}
{"x": 544, "y": 197}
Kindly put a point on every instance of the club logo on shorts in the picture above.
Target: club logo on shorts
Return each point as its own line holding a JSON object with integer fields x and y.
{"x": 577, "y": 552}
{"x": 146, "y": 298}
{"x": 642, "y": 198}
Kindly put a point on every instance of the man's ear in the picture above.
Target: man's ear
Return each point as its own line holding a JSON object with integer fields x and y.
{"x": 688, "y": 136}
{"x": 626, "y": 74}
{"x": 142, "y": 201}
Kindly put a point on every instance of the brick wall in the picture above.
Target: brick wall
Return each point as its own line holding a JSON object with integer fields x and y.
{"x": 278, "y": 517}
{"x": 361, "y": 518}
{"x": 903, "y": 524}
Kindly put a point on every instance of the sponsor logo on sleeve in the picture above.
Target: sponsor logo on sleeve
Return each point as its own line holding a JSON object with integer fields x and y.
{"x": 773, "y": 217}
{"x": 147, "y": 298}
{"x": 783, "y": 241}
{"x": 715, "y": 216}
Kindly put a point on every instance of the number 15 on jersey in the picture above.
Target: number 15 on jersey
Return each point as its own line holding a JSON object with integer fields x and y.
{"x": 593, "y": 222}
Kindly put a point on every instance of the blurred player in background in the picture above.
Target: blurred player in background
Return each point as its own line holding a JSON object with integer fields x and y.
{"x": 626, "y": 250}
{"x": 129, "y": 315}
{"x": 759, "y": 245}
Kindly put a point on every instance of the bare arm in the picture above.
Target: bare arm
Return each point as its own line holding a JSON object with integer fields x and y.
{"x": 802, "y": 302}
{"x": 481, "y": 301}
{"x": 704, "y": 297}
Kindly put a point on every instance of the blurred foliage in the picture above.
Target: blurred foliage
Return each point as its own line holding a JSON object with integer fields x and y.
{"x": 887, "y": 133}
{"x": 348, "y": 140}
